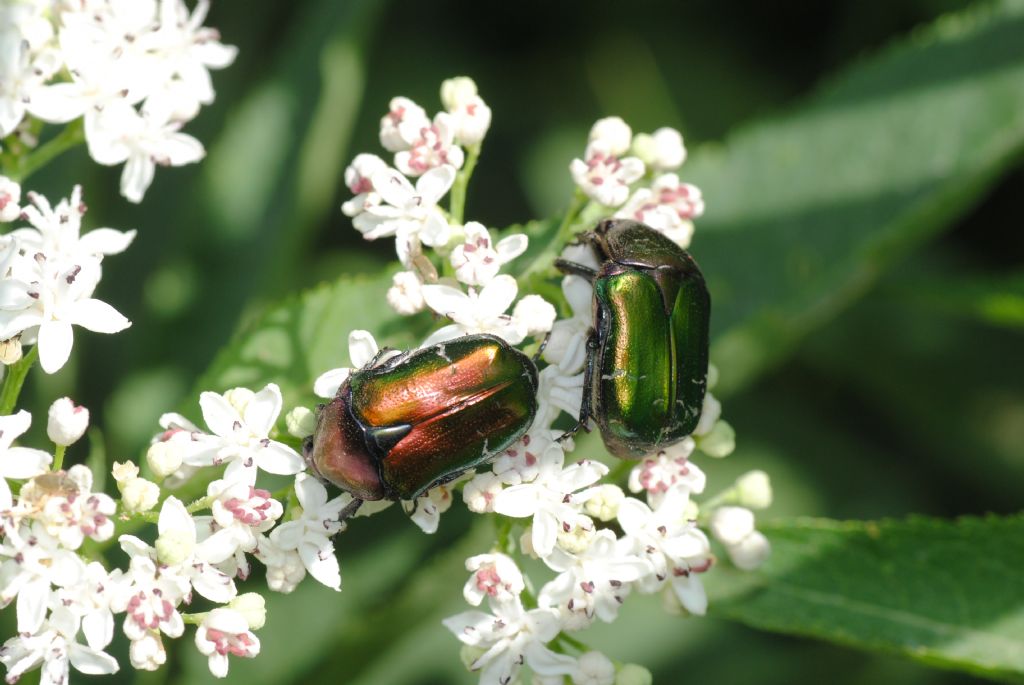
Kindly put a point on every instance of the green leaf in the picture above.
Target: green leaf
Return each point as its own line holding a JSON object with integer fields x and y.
{"x": 805, "y": 210}
{"x": 993, "y": 299}
{"x": 949, "y": 594}
{"x": 300, "y": 338}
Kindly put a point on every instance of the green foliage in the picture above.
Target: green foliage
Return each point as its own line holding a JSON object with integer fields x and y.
{"x": 805, "y": 210}
{"x": 947, "y": 593}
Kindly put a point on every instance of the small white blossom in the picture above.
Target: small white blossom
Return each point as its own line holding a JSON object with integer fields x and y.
{"x": 511, "y": 637}
{"x": 310, "y": 534}
{"x": 164, "y": 458}
{"x": 137, "y": 494}
{"x": 301, "y": 422}
{"x": 402, "y": 124}
{"x": 408, "y": 213}
{"x": 603, "y": 176}
{"x": 18, "y": 463}
{"x": 604, "y": 504}
{"x": 730, "y": 525}
{"x": 149, "y": 599}
{"x": 47, "y": 300}
{"x": 471, "y": 117}
{"x": 240, "y": 439}
{"x": 476, "y": 261}
{"x": 67, "y": 507}
{"x": 66, "y": 421}
{"x": 223, "y": 632}
{"x": 567, "y": 346}
{"x": 433, "y": 147}
{"x": 359, "y": 180}
{"x": 362, "y": 348}
{"x": 10, "y": 196}
{"x": 669, "y": 206}
{"x": 493, "y": 575}
{"x": 406, "y": 293}
{"x": 57, "y": 231}
{"x": 483, "y": 311}
{"x": 425, "y": 511}
{"x": 553, "y": 499}
{"x": 673, "y": 545}
{"x": 613, "y": 134}
{"x": 662, "y": 150}
{"x": 669, "y": 468}
{"x": 34, "y": 561}
{"x": 478, "y": 493}
{"x": 593, "y": 582}
{"x": 54, "y": 648}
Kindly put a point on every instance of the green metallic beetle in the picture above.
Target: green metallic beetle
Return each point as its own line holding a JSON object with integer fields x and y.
{"x": 405, "y": 423}
{"x": 647, "y": 354}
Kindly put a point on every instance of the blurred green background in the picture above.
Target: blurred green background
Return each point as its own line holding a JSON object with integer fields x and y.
{"x": 885, "y": 379}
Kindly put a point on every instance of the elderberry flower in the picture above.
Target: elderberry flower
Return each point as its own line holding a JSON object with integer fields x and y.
{"x": 510, "y": 637}
{"x": 434, "y": 146}
{"x": 476, "y": 261}
{"x": 310, "y": 533}
{"x": 54, "y": 648}
{"x": 240, "y": 435}
{"x": 362, "y": 348}
{"x": 34, "y": 561}
{"x": 359, "y": 180}
{"x": 225, "y": 631}
{"x": 66, "y": 421}
{"x": 67, "y": 507}
{"x": 425, "y": 511}
{"x": 10, "y": 196}
{"x": 17, "y": 463}
{"x": 399, "y": 127}
{"x": 662, "y": 150}
{"x": 483, "y": 311}
{"x": 669, "y": 206}
{"x": 667, "y": 469}
{"x": 408, "y": 213}
{"x": 553, "y": 499}
{"x": 493, "y": 575}
{"x": 57, "y": 231}
{"x": 46, "y": 298}
{"x": 471, "y": 117}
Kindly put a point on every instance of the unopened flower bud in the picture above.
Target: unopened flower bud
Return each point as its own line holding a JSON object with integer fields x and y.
{"x": 253, "y": 607}
{"x": 633, "y": 674}
{"x": 406, "y": 293}
{"x": 533, "y": 314}
{"x": 751, "y": 552}
{"x": 712, "y": 376}
{"x": 594, "y": 669}
{"x": 709, "y": 415}
{"x": 239, "y": 398}
{"x": 731, "y": 524}
{"x": 164, "y": 458}
{"x": 66, "y": 422}
{"x": 301, "y": 422}
{"x": 138, "y": 494}
{"x": 10, "y": 350}
{"x": 754, "y": 490}
{"x": 613, "y": 133}
{"x": 124, "y": 471}
{"x": 720, "y": 442}
{"x": 663, "y": 150}
{"x": 174, "y": 547}
{"x": 604, "y": 503}
{"x": 455, "y": 92}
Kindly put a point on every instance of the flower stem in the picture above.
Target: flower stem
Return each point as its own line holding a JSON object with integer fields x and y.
{"x": 565, "y": 231}
{"x": 458, "y": 200}
{"x": 201, "y": 503}
{"x": 73, "y": 135}
{"x": 16, "y": 373}
{"x": 58, "y": 457}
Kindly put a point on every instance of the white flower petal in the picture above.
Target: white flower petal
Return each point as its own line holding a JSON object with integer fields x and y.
{"x": 97, "y": 316}
{"x": 327, "y": 384}
{"x": 361, "y": 348}
{"x": 321, "y": 563}
{"x": 263, "y": 409}
{"x": 219, "y": 415}
{"x": 24, "y": 462}
{"x": 279, "y": 458}
{"x": 92, "y": 661}
{"x": 55, "y": 341}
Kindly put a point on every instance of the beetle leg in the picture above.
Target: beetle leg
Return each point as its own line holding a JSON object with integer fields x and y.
{"x": 576, "y": 269}
{"x": 350, "y": 510}
{"x": 543, "y": 344}
{"x": 588, "y": 375}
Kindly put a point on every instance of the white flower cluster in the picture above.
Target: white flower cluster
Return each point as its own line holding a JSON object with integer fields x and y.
{"x": 386, "y": 203}
{"x": 606, "y": 175}
{"x": 601, "y": 544}
{"x": 48, "y": 274}
{"x": 134, "y": 72}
